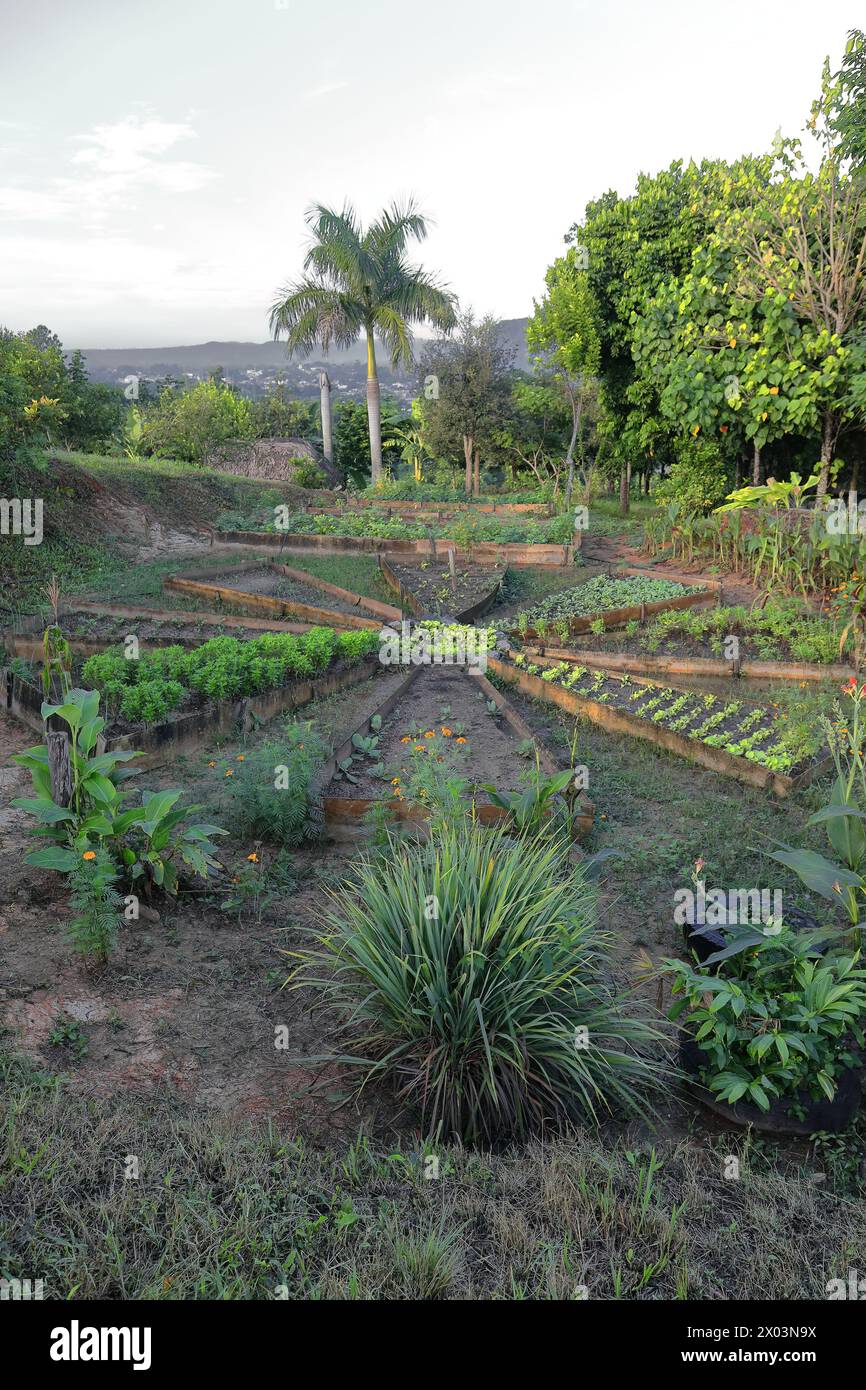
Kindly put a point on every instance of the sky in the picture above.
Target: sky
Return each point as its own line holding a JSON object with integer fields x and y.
{"x": 156, "y": 159}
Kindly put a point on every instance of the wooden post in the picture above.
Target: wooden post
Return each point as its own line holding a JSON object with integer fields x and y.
{"x": 59, "y": 766}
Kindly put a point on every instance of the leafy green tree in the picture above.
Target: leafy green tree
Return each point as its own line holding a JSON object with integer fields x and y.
{"x": 360, "y": 281}
{"x": 630, "y": 247}
{"x": 191, "y": 424}
{"x": 563, "y": 333}
{"x": 471, "y": 375}
{"x": 278, "y": 416}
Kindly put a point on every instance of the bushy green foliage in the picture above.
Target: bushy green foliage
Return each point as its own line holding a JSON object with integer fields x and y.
{"x": 700, "y": 478}
{"x": 96, "y": 906}
{"x": 190, "y": 424}
{"x": 223, "y": 668}
{"x": 270, "y": 790}
{"x": 466, "y": 529}
{"x": 470, "y": 972}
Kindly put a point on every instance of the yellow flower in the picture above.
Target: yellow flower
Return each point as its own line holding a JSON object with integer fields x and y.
{"x": 253, "y": 858}
{"x": 774, "y": 390}
{"x": 211, "y": 763}
{"x": 446, "y": 733}
{"x": 230, "y": 773}
{"x": 431, "y": 733}
{"x": 405, "y": 739}
{"x": 732, "y": 342}
{"x": 395, "y": 781}
{"x": 90, "y": 854}
{"x": 418, "y": 748}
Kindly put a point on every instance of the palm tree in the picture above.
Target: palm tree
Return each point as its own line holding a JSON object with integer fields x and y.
{"x": 359, "y": 281}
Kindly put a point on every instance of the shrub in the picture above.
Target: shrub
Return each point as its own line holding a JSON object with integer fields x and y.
{"x": 699, "y": 478}
{"x": 470, "y": 972}
{"x": 270, "y": 789}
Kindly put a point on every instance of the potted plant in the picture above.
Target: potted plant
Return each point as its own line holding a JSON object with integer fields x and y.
{"x": 771, "y": 1037}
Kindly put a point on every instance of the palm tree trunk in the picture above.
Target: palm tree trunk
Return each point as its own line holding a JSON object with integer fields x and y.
{"x": 327, "y": 432}
{"x": 373, "y": 412}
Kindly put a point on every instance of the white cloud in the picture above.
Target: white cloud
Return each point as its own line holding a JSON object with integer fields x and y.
{"x": 116, "y": 163}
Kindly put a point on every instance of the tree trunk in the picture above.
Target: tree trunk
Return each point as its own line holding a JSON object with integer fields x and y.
{"x": 373, "y": 411}
{"x": 623, "y": 491}
{"x": 59, "y": 767}
{"x": 829, "y": 431}
{"x": 569, "y": 458}
{"x": 327, "y": 432}
{"x": 756, "y": 466}
{"x": 852, "y": 487}
{"x": 468, "y": 443}
{"x": 476, "y": 488}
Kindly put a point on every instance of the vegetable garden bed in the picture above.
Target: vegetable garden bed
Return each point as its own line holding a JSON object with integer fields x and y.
{"x": 172, "y": 700}
{"x": 426, "y": 589}
{"x": 433, "y": 712}
{"x": 643, "y": 664}
{"x": 511, "y": 553}
{"x": 662, "y": 715}
{"x": 627, "y": 596}
{"x": 281, "y": 590}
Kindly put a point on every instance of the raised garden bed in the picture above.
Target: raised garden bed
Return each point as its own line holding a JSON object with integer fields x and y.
{"x": 641, "y": 663}
{"x": 611, "y": 600}
{"x": 185, "y": 691}
{"x": 701, "y": 728}
{"x": 437, "y": 705}
{"x": 511, "y": 553}
{"x": 91, "y": 627}
{"x": 282, "y": 591}
{"x": 426, "y": 589}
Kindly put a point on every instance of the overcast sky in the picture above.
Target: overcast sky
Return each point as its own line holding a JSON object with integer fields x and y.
{"x": 156, "y": 158}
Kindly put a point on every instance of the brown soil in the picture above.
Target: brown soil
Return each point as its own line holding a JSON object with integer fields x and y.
{"x": 615, "y": 550}
{"x": 438, "y": 697}
{"x": 268, "y": 581}
{"x": 188, "y": 1004}
{"x": 430, "y": 584}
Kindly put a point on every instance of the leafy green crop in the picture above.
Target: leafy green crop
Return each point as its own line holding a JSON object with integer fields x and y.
{"x": 599, "y": 595}
{"x": 225, "y": 668}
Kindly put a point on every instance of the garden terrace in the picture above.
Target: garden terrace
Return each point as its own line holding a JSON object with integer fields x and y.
{"x": 750, "y": 742}
{"x": 439, "y": 723}
{"x": 778, "y": 641}
{"x": 91, "y": 627}
{"x": 172, "y": 698}
{"x": 427, "y": 588}
{"x": 281, "y": 590}
{"x": 608, "y": 601}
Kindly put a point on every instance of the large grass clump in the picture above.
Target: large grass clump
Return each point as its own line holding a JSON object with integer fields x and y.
{"x": 470, "y": 971}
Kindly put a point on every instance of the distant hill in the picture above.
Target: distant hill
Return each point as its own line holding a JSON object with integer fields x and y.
{"x": 205, "y": 357}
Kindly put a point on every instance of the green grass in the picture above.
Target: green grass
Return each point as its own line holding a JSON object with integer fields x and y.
{"x": 360, "y": 573}
{"x": 223, "y": 1211}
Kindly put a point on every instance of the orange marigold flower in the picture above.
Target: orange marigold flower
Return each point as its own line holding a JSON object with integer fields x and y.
{"x": 446, "y": 733}
{"x": 253, "y": 858}
{"x": 89, "y": 854}
{"x": 212, "y": 763}
{"x": 241, "y": 757}
{"x": 431, "y": 733}
{"x": 230, "y": 773}
{"x": 395, "y": 781}
{"x": 459, "y": 740}
{"x": 405, "y": 739}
